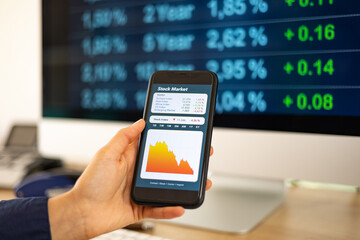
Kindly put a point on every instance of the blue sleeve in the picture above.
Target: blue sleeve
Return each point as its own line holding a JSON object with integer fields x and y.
{"x": 25, "y": 218}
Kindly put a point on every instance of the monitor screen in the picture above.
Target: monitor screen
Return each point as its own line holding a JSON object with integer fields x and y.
{"x": 282, "y": 65}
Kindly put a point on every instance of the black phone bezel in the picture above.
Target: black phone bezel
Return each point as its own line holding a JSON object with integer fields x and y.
{"x": 171, "y": 197}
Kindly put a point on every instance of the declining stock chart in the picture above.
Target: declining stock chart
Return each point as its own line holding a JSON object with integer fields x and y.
{"x": 172, "y": 155}
{"x": 271, "y": 56}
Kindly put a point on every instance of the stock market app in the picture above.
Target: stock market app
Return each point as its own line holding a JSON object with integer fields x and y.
{"x": 174, "y": 136}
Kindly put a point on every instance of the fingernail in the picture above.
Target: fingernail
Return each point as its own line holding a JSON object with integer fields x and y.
{"x": 137, "y": 121}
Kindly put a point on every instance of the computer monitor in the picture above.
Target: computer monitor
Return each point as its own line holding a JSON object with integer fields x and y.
{"x": 289, "y": 92}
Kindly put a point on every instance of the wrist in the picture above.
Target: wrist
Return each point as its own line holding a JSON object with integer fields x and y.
{"x": 66, "y": 219}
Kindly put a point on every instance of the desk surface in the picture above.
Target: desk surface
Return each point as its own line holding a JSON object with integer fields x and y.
{"x": 305, "y": 214}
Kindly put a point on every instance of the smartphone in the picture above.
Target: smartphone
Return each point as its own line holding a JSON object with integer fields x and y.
{"x": 174, "y": 148}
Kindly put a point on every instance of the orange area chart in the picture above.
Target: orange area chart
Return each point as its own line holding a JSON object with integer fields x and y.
{"x": 162, "y": 160}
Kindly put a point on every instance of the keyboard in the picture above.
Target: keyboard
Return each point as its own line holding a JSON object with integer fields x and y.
{"x": 124, "y": 234}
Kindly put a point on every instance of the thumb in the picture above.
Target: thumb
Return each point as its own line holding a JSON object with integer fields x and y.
{"x": 125, "y": 136}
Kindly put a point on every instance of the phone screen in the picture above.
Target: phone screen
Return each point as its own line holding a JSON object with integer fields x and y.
{"x": 172, "y": 150}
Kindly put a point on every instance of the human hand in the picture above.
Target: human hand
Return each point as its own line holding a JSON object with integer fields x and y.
{"x": 100, "y": 200}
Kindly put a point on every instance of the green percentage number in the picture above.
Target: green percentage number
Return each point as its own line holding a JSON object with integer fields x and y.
{"x": 304, "y": 68}
{"x": 321, "y": 32}
{"x": 320, "y": 68}
{"x": 309, "y": 3}
{"x": 316, "y": 102}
